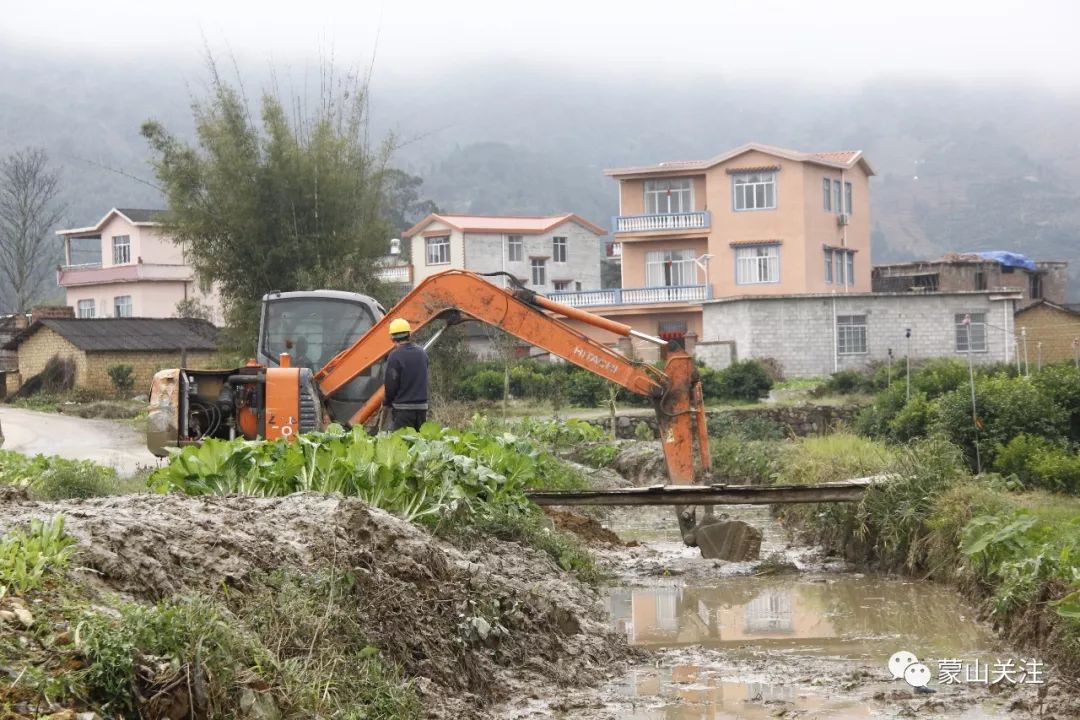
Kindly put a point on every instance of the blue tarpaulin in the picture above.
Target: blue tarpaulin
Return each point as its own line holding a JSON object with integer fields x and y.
{"x": 1009, "y": 259}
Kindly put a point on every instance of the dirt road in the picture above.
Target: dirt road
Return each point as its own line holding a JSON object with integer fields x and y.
{"x": 104, "y": 441}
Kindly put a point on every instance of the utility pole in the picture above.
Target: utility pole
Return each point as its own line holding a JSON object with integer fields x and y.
{"x": 971, "y": 378}
{"x": 889, "y": 361}
{"x": 1038, "y": 356}
{"x": 1076, "y": 352}
{"x": 907, "y": 334}
{"x": 1027, "y": 365}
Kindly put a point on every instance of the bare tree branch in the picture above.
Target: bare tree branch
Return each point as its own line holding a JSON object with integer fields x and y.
{"x": 29, "y": 210}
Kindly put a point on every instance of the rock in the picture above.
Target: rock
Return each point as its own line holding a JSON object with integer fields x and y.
{"x": 731, "y": 540}
{"x": 7, "y": 616}
{"x": 88, "y": 716}
{"x": 258, "y": 706}
{"x": 24, "y": 616}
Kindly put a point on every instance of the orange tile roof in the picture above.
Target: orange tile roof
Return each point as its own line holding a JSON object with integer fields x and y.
{"x": 839, "y": 159}
{"x": 518, "y": 224}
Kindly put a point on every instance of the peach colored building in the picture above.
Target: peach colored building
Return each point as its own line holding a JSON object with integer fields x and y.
{"x": 757, "y": 220}
{"x": 124, "y": 266}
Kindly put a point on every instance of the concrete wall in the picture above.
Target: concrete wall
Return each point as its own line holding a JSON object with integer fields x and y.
{"x": 1055, "y": 329}
{"x": 799, "y": 332}
{"x": 148, "y": 299}
{"x": 488, "y": 252}
{"x": 418, "y": 248}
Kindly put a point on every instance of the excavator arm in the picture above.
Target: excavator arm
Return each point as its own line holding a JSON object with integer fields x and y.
{"x": 676, "y": 392}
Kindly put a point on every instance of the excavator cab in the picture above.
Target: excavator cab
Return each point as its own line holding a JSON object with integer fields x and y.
{"x": 313, "y": 327}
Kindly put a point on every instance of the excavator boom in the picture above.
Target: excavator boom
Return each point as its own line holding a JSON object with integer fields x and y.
{"x": 521, "y": 312}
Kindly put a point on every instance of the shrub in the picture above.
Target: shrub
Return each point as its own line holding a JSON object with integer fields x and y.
{"x": 122, "y": 377}
{"x": 1038, "y": 462}
{"x": 1062, "y": 383}
{"x": 913, "y": 420}
{"x": 845, "y": 382}
{"x": 1006, "y": 407}
{"x": 586, "y": 389}
{"x": 745, "y": 380}
{"x": 484, "y": 385}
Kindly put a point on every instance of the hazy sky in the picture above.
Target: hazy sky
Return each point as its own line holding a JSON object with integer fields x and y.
{"x": 825, "y": 41}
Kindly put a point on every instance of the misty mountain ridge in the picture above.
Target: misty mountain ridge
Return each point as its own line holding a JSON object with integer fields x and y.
{"x": 959, "y": 168}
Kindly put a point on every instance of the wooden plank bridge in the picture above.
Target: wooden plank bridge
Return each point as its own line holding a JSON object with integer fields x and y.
{"x": 842, "y": 491}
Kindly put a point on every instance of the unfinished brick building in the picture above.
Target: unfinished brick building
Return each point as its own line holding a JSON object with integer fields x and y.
{"x": 966, "y": 272}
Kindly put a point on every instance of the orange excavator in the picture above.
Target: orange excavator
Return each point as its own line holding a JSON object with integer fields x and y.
{"x": 320, "y": 360}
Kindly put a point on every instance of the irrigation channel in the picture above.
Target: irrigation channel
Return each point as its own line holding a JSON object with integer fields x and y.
{"x": 727, "y": 641}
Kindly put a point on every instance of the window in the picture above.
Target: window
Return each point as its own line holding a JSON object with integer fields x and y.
{"x": 515, "y": 248}
{"x": 663, "y": 197}
{"x": 840, "y": 266}
{"x": 754, "y": 191}
{"x": 980, "y": 280}
{"x": 847, "y": 198}
{"x": 87, "y": 309}
{"x": 757, "y": 264}
{"x": 669, "y": 268}
{"x": 561, "y": 285}
{"x": 539, "y": 270}
{"x": 971, "y": 332}
{"x": 121, "y": 249}
{"x": 1035, "y": 289}
{"x": 122, "y": 306}
{"x": 558, "y": 249}
{"x": 837, "y": 200}
{"x": 826, "y": 187}
{"x": 438, "y": 250}
{"x": 577, "y": 286}
{"x": 851, "y": 334}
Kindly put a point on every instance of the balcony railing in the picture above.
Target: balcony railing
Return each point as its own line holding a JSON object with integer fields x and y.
{"x": 634, "y": 296}
{"x": 95, "y": 274}
{"x": 395, "y": 274}
{"x": 653, "y": 223}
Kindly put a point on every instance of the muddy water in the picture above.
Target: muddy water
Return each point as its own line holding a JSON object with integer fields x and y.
{"x": 727, "y": 643}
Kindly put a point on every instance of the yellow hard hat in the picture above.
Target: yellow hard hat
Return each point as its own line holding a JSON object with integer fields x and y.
{"x": 399, "y": 326}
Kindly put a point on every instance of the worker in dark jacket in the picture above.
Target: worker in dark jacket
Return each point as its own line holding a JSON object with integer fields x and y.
{"x": 406, "y": 381}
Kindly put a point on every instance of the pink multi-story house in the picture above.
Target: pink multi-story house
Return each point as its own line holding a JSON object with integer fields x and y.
{"x": 125, "y": 266}
{"x": 756, "y": 220}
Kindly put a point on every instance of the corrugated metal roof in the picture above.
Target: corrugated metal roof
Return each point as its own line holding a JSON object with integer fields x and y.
{"x": 128, "y": 334}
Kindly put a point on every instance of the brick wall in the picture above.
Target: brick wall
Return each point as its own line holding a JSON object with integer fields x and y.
{"x": 36, "y": 350}
{"x": 1055, "y": 329}
{"x": 799, "y": 331}
{"x": 91, "y": 369}
{"x": 145, "y": 364}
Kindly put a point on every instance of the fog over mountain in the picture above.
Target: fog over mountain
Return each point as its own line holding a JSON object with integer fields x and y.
{"x": 960, "y": 165}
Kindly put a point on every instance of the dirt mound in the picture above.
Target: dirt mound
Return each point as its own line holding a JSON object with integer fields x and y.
{"x": 586, "y": 528}
{"x": 641, "y": 463}
{"x": 417, "y": 592}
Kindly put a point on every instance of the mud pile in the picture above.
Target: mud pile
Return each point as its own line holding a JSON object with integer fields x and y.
{"x": 416, "y": 590}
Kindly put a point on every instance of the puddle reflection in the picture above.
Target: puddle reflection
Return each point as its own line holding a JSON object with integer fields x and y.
{"x": 850, "y": 616}
{"x": 697, "y": 695}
